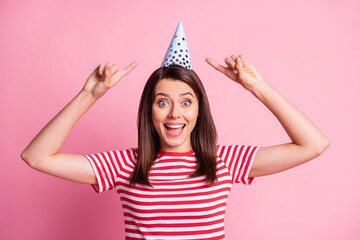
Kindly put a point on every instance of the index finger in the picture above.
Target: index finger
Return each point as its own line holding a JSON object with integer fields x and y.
{"x": 128, "y": 69}
{"x": 216, "y": 65}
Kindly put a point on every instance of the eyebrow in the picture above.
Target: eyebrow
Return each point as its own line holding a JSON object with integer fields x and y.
{"x": 167, "y": 95}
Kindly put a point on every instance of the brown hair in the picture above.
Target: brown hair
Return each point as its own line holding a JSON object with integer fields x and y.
{"x": 203, "y": 137}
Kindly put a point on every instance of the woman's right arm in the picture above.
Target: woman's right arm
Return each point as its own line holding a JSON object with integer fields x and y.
{"x": 43, "y": 153}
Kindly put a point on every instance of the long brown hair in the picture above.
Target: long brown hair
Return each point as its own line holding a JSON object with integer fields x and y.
{"x": 203, "y": 137}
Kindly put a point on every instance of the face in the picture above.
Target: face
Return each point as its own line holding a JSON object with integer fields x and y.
{"x": 174, "y": 114}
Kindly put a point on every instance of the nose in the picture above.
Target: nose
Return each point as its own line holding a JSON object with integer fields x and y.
{"x": 174, "y": 111}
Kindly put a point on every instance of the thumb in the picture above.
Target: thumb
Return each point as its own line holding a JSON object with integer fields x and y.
{"x": 248, "y": 65}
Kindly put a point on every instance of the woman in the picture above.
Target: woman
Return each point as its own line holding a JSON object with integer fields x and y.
{"x": 176, "y": 183}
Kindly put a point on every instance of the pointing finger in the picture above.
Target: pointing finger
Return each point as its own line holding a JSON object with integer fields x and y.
{"x": 127, "y": 70}
{"x": 215, "y": 65}
{"x": 119, "y": 75}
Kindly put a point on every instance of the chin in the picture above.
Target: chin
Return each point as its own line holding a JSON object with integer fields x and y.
{"x": 175, "y": 146}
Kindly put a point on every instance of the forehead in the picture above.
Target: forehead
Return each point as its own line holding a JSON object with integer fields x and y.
{"x": 173, "y": 87}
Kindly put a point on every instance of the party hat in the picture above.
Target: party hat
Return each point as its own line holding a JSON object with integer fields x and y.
{"x": 178, "y": 52}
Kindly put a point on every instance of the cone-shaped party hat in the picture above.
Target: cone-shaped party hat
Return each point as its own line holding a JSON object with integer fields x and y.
{"x": 178, "y": 52}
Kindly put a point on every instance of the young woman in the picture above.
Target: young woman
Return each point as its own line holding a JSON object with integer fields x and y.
{"x": 175, "y": 184}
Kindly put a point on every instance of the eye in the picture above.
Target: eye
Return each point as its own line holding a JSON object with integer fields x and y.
{"x": 163, "y": 103}
{"x": 186, "y": 103}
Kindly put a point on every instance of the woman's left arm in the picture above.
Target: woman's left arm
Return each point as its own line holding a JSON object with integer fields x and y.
{"x": 308, "y": 141}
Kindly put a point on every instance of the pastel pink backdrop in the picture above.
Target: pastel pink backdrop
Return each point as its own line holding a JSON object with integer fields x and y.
{"x": 308, "y": 50}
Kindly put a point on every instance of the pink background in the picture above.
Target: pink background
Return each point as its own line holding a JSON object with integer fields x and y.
{"x": 308, "y": 50}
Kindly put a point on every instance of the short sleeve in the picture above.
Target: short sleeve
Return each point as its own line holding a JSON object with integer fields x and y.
{"x": 109, "y": 167}
{"x": 238, "y": 160}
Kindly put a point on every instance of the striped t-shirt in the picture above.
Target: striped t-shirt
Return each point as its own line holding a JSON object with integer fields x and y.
{"x": 177, "y": 207}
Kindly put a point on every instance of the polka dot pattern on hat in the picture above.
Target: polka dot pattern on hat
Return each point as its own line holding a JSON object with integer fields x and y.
{"x": 178, "y": 52}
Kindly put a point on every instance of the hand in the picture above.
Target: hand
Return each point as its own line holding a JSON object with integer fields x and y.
{"x": 104, "y": 77}
{"x": 240, "y": 70}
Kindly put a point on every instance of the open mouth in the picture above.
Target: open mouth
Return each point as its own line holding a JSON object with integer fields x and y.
{"x": 169, "y": 127}
{"x": 174, "y": 130}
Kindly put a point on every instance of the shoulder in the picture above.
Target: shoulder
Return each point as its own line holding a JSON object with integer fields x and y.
{"x": 229, "y": 151}
{"x": 223, "y": 150}
{"x": 125, "y": 156}
{"x": 130, "y": 153}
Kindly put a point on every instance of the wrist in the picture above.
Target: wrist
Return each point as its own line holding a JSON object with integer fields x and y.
{"x": 87, "y": 96}
{"x": 260, "y": 90}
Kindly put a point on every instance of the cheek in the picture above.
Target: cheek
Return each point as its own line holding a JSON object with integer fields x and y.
{"x": 192, "y": 115}
{"x": 156, "y": 116}
{"x": 156, "y": 125}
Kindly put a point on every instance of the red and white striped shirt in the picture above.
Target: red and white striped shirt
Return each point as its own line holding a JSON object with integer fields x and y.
{"x": 177, "y": 207}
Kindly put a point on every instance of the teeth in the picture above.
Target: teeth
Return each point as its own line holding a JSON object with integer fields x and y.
{"x": 174, "y": 126}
